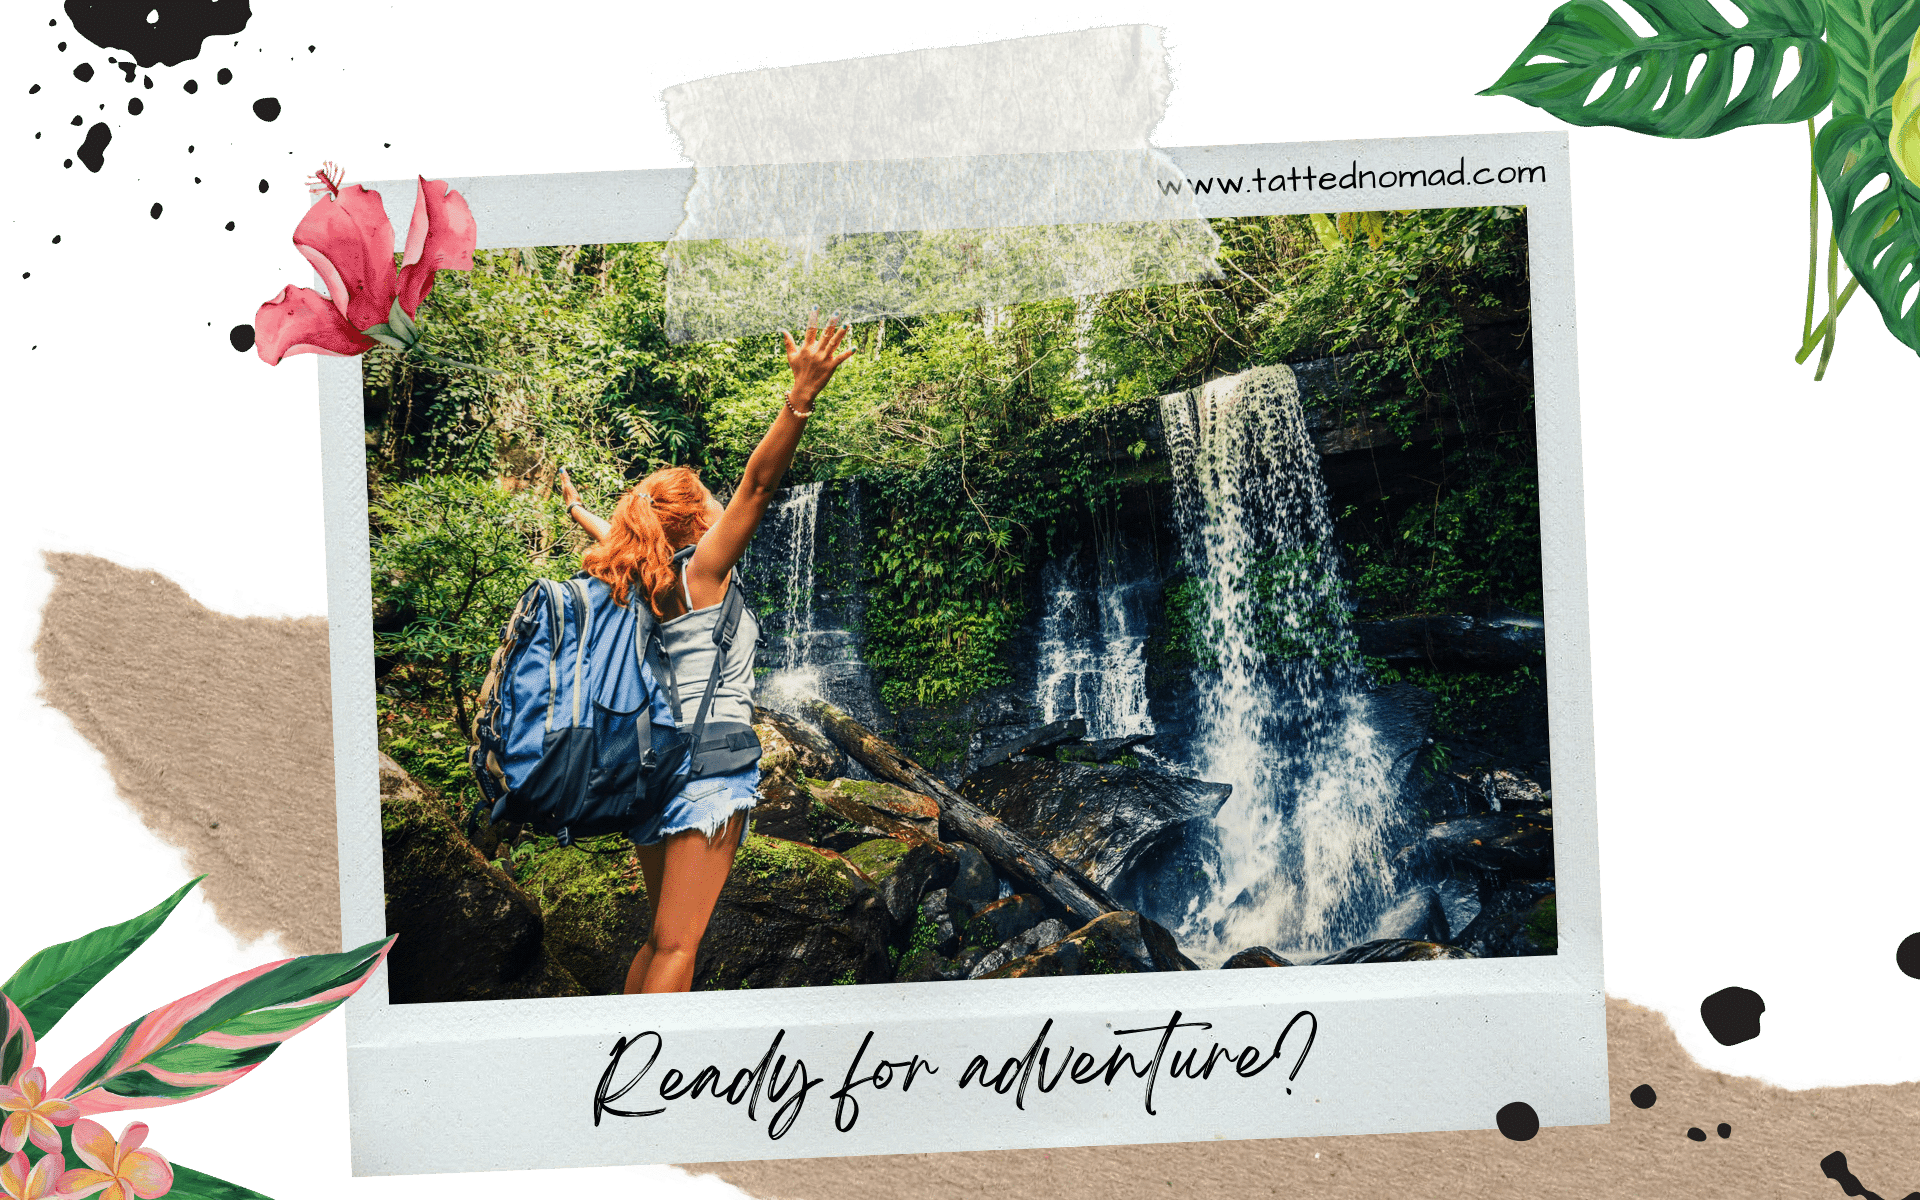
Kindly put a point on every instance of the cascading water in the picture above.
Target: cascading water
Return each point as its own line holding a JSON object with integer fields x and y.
{"x": 1295, "y": 859}
{"x": 1093, "y": 661}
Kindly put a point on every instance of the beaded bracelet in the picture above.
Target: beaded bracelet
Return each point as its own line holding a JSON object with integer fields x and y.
{"x": 788, "y": 405}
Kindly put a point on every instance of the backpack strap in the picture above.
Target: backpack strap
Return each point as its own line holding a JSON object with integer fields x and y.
{"x": 731, "y": 606}
{"x": 556, "y": 609}
{"x": 579, "y": 591}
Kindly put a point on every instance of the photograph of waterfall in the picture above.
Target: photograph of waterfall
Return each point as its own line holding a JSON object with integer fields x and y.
{"x": 1183, "y": 628}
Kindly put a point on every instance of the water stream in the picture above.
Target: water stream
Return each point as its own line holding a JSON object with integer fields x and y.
{"x": 1092, "y": 654}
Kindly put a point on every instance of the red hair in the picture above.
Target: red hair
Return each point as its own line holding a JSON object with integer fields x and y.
{"x": 662, "y": 513}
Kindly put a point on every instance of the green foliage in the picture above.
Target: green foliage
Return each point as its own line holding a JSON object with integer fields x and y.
{"x": 1870, "y": 40}
{"x": 51, "y": 982}
{"x": 1653, "y": 89}
{"x": 1542, "y": 926}
{"x": 1467, "y": 704}
{"x": 1879, "y": 234}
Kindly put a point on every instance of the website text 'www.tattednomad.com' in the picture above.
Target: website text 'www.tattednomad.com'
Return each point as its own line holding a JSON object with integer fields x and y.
{"x": 1354, "y": 176}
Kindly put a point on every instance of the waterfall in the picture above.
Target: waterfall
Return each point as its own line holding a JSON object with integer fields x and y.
{"x": 1092, "y": 658}
{"x": 1295, "y": 860}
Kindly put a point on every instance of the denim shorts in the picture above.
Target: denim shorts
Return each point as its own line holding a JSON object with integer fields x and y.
{"x": 705, "y": 804}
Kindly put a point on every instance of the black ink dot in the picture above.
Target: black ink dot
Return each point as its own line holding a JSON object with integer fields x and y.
{"x": 93, "y": 151}
{"x": 189, "y": 149}
{"x": 36, "y": 137}
{"x": 56, "y": 239}
{"x": 309, "y": 49}
{"x": 67, "y": 163}
{"x": 154, "y": 212}
{"x": 112, "y": 59}
{"x": 78, "y": 120}
{"x": 83, "y": 72}
{"x": 225, "y": 76}
{"x": 229, "y": 226}
{"x": 388, "y": 145}
{"x": 263, "y": 187}
{"x": 1643, "y": 1096}
{"x": 242, "y": 337}
{"x": 1697, "y": 1134}
{"x": 1732, "y": 1015}
{"x": 1907, "y": 957}
{"x": 135, "y": 107}
{"x": 196, "y": 179}
{"x": 1518, "y": 1121}
{"x": 26, "y": 274}
{"x": 52, "y": 22}
{"x": 126, "y": 68}
{"x": 63, "y": 46}
{"x": 146, "y": 81}
{"x": 33, "y": 89}
{"x": 267, "y": 108}
{"x": 190, "y": 86}
{"x": 1724, "y": 1130}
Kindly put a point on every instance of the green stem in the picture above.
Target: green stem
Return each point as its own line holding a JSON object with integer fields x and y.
{"x": 1813, "y": 242}
{"x": 1833, "y": 306}
{"x": 1819, "y": 332}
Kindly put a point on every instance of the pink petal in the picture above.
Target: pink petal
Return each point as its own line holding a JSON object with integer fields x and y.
{"x": 440, "y": 237}
{"x": 147, "y": 1172}
{"x": 45, "y": 1175}
{"x": 32, "y": 1085}
{"x": 13, "y": 1132}
{"x": 82, "y": 1182}
{"x": 132, "y": 1137}
{"x": 349, "y": 241}
{"x": 94, "y": 1144}
{"x": 10, "y": 1098}
{"x": 15, "y": 1022}
{"x": 13, "y": 1174}
{"x": 58, "y": 1111}
{"x": 42, "y": 1133}
{"x": 297, "y": 321}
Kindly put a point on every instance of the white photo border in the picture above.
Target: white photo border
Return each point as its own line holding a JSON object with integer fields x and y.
{"x": 1399, "y": 1047}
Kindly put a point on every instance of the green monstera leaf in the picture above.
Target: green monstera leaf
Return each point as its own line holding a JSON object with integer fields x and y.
{"x": 1649, "y": 90}
{"x": 1870, "y": 41}
{"x": 1879, "y": 234}
{"x": 1904, "y": 142}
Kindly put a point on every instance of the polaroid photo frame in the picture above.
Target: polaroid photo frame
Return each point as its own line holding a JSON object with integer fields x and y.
{"x": 990, "y": 1064}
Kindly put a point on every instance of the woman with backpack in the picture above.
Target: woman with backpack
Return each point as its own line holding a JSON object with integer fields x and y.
{"x": 687, "y": 850}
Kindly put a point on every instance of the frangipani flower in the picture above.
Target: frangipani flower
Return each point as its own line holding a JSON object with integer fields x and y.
{"x": 21, "y": 1182}
{"x": 117, "y": 1170}
{"x": 349, "y": 241}
{"x": 32, "y": 1115}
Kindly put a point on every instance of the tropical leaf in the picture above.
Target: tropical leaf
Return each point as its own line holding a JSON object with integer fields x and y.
{"x": 1904, "y": 142}
{"x": 189, "y": 1184}
{"x": 1879, "y": 234}
{"x": 52, "y": 981}
{"x": 1870, "y": 40}
{"x": 203, "y": 1042}
{"x": 1648, "y": 91}
{"x": 16, "y": 1041}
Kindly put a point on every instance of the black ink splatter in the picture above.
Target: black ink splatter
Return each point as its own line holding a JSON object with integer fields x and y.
{"x": 63, "y": 47}
{"x": 1907, "y": 957}
{"x": 190, "y": 86}
{"x": 225, "y": 76}
{"x": 56, "y": 239}
{"x": 93, "y": 151}
{"x": 33, "y": 89}
{"x": 126, "y": 68}
{"x": 229, "y": 226}
{"x": 78, "y": 120}
{"x": 154, "y": 212}
{"x": 135, "y": 107}
{"x": 1697, "y": 1134}
{"x": 172, "y": 39}
{"x": 263, "y": 187}
{"x": 67, "y": 163}
{"x": 1643, "y": 1096}
{"x": 84, "y": 72}
{"x": 1724, "y": 1130}
{"x": 146, "y": 81}
{"x": 242, "y": 337}
{"x": 1732, "y": 1015}
{"x": 309, "y": 49}
{"x": 267, "y": 108}
{"x": 1834, "y": 1167}
{"x": 1518, "y": 1121}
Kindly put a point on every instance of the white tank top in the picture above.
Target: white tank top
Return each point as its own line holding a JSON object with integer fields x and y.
{"x": 688, "y": 641}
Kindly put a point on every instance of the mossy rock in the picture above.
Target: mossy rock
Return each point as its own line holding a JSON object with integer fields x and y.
{"x": 791, "y": 916}
{"x": 878, "y": 858}
{"x": 596, "y": 911}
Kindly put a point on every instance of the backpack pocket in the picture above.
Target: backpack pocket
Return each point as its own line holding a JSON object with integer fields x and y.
{"x": 618, "y": 765}
{"x": 546, "y": 797}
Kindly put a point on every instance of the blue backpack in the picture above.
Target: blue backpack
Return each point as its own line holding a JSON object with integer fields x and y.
{"x": 564, "y": 739}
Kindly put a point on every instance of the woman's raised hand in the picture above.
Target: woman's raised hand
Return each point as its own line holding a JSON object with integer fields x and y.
{"x": 813, "y": 360}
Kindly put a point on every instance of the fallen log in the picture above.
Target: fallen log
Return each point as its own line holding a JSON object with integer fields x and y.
{"x": 1007, "y": 848}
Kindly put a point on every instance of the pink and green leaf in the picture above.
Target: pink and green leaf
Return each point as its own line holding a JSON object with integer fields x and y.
{"x": 52, "y": 981}
{"x": 203, "y": 1042}
{"x": 16, "y": 1041}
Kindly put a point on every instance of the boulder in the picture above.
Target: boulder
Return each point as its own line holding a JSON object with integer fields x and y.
{"x": 1254, "y": 956}
{"x": 467, "y": 931}
{"x": 1046, "y": 933}
{"x": 1101, "y": 750}
{"x": 596, "y": 911}
{"x": 1421, "y": 917}
{"x": 815, "y": 753}
{"x": 910, "y": 808}
{"x": 839, "y": 819}
{"x": 1458, "y": 642}
{"x": 1395, "y": 950}
{"x": 1004, "y": 920}
{"x": 1518, "y": 846}
{"x": 1099, "y": 820}
{"x": 1515, "y": 921}
{"x": 791, "y": 916}
{"x": 904, "y": 872}
{"x": 973, "y": 879}
{"x": 1070, "y": 730}
{"x": 1510, "y": 792}
{"x": 786, "y": 803}
{"x": 1119, "y": 943}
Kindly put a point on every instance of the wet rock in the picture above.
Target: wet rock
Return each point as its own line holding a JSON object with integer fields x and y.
{"x": 944, "y": 919}
{"x": 816, "y": 755}
{"x": 1510, "y": 792}
{"x": 1069, "y": 730}
{"x": 467, "y": 931}
{"x": 785, "y": 802}
{"x": 1420, "y": 917}
{"x": 1515, "y": 921}
{"x": 1254, "y": 956}
{"x": 1489, "y": 643}
{"x": 791, "y": 916}
{"x": 973, "y": 881}
{"x": 1046, "y": 933}
{"x": 1100, "y": 820}
{"x": 1004, "y": 920}
{"x": 596, "y": 912}
{"x": 1518, "y": 846}
{"x": 839, "y": 818}
{"x": 1101, "y": 750}
{"x": 910, "y": 808}
{"x": 904, "y": 873}
{"x": 1395, "y": 950}
{"x": 1119, "y": 943}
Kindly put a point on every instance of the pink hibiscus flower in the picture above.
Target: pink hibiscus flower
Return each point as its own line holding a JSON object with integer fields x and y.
{"x": 349, "y": 241}
{"x": 118, "y": 1170}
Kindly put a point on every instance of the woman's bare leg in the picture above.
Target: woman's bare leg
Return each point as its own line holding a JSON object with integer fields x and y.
{"x": 652, "y": 867}
{"x": 694, "y": 871}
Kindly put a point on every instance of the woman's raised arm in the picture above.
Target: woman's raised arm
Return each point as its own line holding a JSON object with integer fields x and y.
{"x": 578, "y": 511}
{"x": 813, "y": 362}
